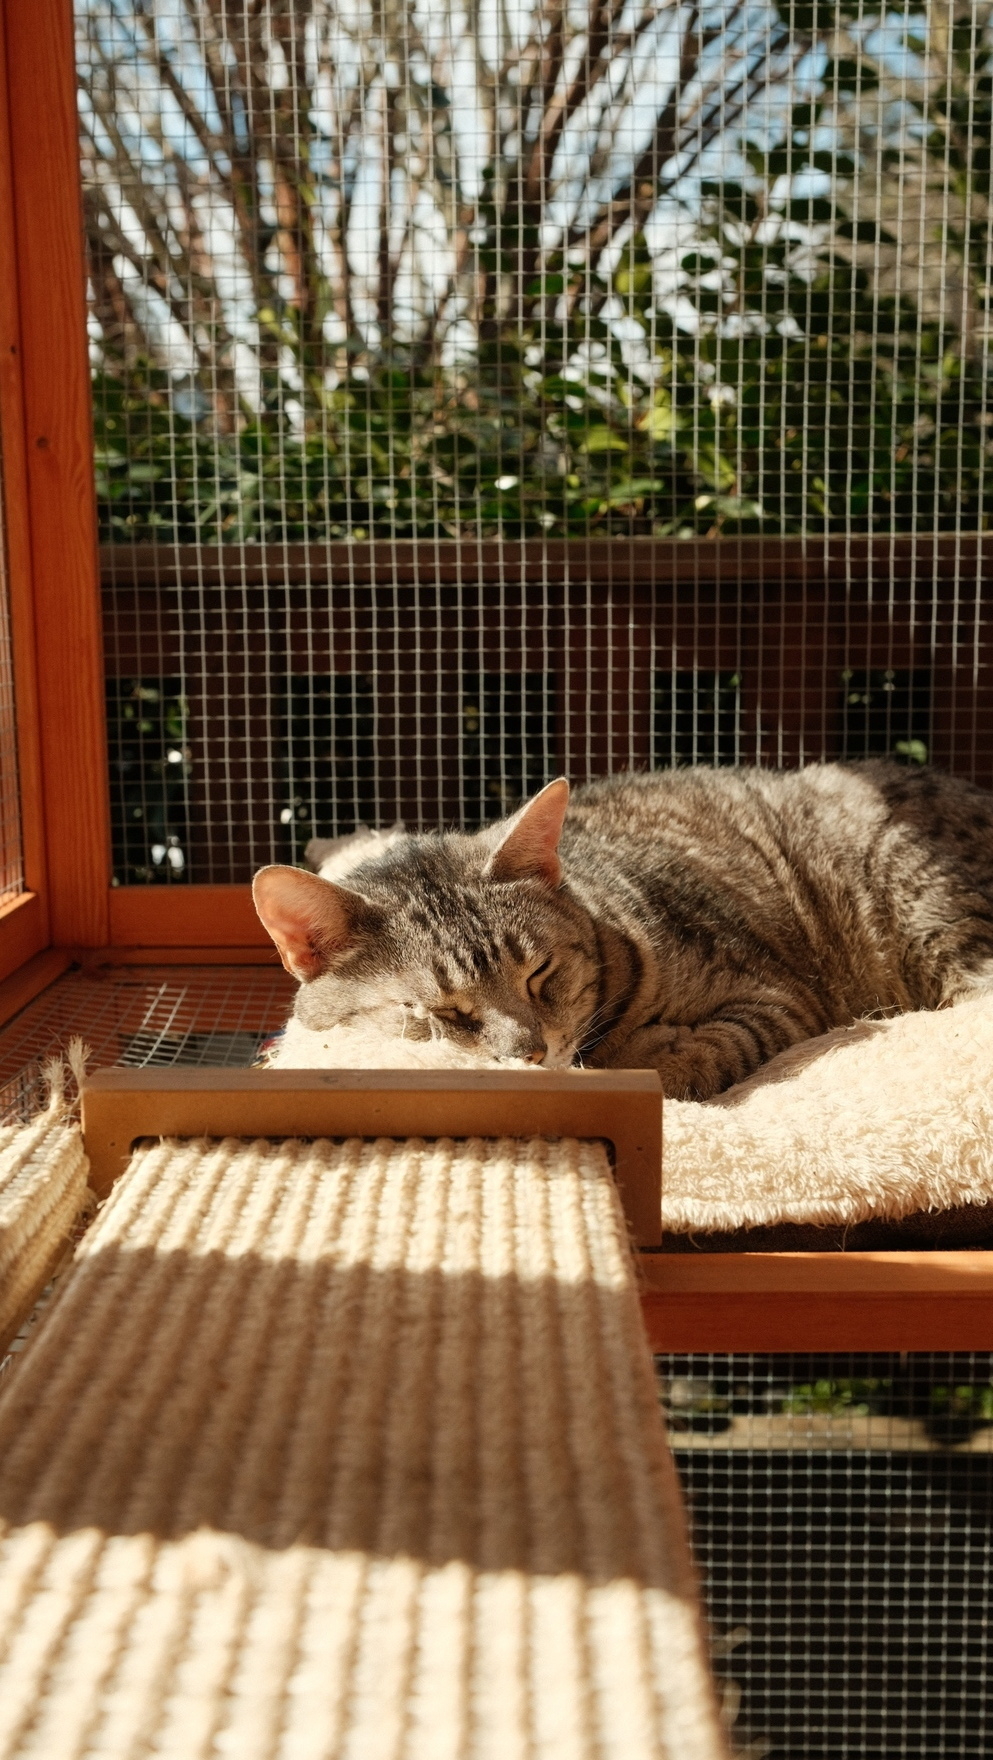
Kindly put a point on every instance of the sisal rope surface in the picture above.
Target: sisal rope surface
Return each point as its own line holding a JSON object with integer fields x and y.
{"x": 43, "y": 1174}
{"x": 347, "y": 1450}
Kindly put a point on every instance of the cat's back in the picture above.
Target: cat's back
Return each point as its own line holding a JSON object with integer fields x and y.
{"x": 707, "y": 814}
{"x": 843, "y": 888}
{"x": 843, "y": 806}
{"x": 849, "y": 841}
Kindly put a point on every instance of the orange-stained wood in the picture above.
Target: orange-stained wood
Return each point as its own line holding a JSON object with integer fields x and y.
{"x": 41, "y": 83}
{"x": 30, "y": 980}
{"x": 780, "y": 1274}
{"x": 581, "y": 561}
{"x": 840, "y": 1322}
{"x": 184, "y": 916}
{"x": 23, "y": 932}
{"x": 93, "y": 958}
{"x": 18, "y": 537}
{"x": 818, "y": 1301}
{"x": 622, "y": 1106}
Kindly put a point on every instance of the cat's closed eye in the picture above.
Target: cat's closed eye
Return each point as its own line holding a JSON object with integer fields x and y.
{"x": 539, "y": 972}
{"x": 467, "y": 1023}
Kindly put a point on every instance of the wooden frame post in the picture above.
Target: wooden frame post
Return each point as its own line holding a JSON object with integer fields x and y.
{"x": 24, "y": 922}
{"x": 58, "y": 468}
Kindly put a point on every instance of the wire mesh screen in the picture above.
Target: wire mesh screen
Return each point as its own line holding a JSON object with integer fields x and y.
{"x": 630, "y": 357}
{"x": 138, "y": 1017}
{"x": 11, "y": 856}
{"x": 842, "y": 1519}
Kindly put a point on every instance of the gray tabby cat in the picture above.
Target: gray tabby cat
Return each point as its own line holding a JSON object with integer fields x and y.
{"x": 693, "y": 921}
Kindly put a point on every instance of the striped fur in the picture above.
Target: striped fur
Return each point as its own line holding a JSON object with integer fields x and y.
{"x": 703, "y": 920}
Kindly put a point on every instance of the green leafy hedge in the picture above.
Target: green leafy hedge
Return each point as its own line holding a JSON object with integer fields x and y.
{"x": 844, "y": 413}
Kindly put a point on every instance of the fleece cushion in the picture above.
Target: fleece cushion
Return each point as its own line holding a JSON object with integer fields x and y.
{"x": 880, "y": 1134}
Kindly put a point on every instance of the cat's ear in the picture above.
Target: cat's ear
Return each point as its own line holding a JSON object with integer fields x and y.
{"x": 528, "y": 847}
{"x": 312, "y": 921}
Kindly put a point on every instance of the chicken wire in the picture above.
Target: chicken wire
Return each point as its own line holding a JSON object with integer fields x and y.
{"x": 841, "y": 1509}
{"x": 484, "y": 393}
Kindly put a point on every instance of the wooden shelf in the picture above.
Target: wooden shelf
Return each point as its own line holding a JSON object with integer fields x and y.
{"x": 818, "y": 1301}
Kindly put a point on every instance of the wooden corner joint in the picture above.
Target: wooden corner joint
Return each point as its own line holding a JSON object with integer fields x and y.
{"x": 621, "y": 1107}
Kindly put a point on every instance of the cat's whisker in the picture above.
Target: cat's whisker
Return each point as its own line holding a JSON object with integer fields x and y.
{"x": 598, "y": 1015}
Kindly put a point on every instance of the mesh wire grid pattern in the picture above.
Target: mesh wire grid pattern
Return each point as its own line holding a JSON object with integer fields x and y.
{"x": 215, "y": 1016}
{"x": 841, "y": 1510}
{"x": 380, "y": 294}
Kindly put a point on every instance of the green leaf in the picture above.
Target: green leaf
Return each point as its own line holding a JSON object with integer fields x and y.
{"x": 633, "y": 489}
{"x": 660, "y": 422}
{"x": 603, "y": 439}
{"x": 545, "y": 285}
{"x": 633, "y": 280}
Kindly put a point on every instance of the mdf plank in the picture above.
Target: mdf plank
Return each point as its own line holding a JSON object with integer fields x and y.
{"x": 190, "y": 917}
{"x": 623, "y": 1107}
{"x": 59, "y": 452}
{"x": 17, "y": 530}
{"x": 23, "y": 932}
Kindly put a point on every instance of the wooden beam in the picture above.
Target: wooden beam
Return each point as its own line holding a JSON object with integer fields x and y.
{"x": 429, "y": 562}
{"x": 23, "y": 931}
{"x": 30, "y": 980}
{"x": 59, "y": 450}
{"x": 184, "y": 916}
{"x": 93, "y": 958}
{"x": 624, "y": 1107}
{"x": 818, "y": 1301}
{"x": 17, "y": 532}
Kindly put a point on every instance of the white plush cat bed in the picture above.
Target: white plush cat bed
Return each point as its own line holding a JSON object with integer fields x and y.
{"x": 885, "y": 1120}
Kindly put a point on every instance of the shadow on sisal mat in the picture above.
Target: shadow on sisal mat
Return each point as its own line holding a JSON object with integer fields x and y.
{"x": 330, "y": 1449}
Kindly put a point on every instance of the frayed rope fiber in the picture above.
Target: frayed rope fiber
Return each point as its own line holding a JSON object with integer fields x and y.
{"x": 348, "y": 1450}
{"x": 43, "y": 1175}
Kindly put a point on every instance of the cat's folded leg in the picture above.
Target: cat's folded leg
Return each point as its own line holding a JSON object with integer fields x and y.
{"x": 699, "y": 1060}
{"x": 962, "y": 986}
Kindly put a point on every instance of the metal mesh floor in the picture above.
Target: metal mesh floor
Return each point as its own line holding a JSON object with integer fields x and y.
{"x": 138, "y": 1015}
{"x": 842, "y": 1518}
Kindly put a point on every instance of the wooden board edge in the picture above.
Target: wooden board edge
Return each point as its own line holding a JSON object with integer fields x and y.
{"x": 99, "y": 958}
{"x": 120, "y": 1107}
{"x": 55, "y": 383}
{"x": 580, "y": 561}
{"x": 30, "y": 980}
{"x": 23, "y": 932}
{"x": 185, "y": 917}
{"x": 671, "y": 1277}
{"x": 17, "y": 528}
{"x": 800, "y": 1322}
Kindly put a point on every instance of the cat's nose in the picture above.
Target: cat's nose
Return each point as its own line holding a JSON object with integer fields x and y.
{"x": 537, "y": 1056}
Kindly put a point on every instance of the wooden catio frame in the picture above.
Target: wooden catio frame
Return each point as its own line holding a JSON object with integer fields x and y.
{"x": 68, "y": 910}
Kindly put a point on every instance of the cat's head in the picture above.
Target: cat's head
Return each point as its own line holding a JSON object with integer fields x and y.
{"x": 475, "y": 939}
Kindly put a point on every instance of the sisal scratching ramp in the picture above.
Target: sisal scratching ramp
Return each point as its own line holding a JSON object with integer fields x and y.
{"x": 348, "y": 1449}
{"x": 42, "y": 1189}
